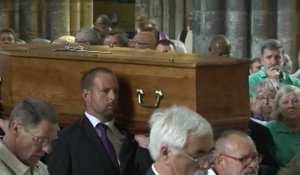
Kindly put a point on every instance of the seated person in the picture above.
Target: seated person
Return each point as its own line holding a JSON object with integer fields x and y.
{"x": 165, "y": 45}
{"x": 144, "y": 40}
{"x": 88, "y": 36}
{"x": 7, "y": 36}
{"x": 235, "y": 154}
{"x": 116, "y": 38}
{"x": 293, "y": 168}
{"x": 285, "y": 128}
{"x": 219, "y": 46}
{"x": 272, "y": 60}
{"x": 180, "y": 142}
{"x": 33, "y": 125}
{"x": 255, "y": 65}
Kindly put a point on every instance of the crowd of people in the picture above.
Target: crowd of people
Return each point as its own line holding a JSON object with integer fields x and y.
{"x": 181, "y": 141}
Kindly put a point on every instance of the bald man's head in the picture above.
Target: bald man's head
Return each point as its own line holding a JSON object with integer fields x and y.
{"x": 144, "y": 40}
{"x": 219, "y": 46}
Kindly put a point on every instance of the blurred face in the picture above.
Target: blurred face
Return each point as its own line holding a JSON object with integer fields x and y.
{"x": 265, "y": 102}
{"x": 144, "y": 41}
{"x": 100, "y": 25}
{"x": 165, "y": 48}
{"x": 111, "y": 40}
{"x": 7, "y": 38}
{"x": 102, "y": 99}
{"x": 289, "y": 106}
{"x": 239, "y": 159}
{"x": 272, "y": 59}
{"x": 186, "y": 162}
{"x": 256, "y": 66}
{"x": 33, "y": 144}
{"x": 79, "y": 38}
{"x": 221, "y": 49}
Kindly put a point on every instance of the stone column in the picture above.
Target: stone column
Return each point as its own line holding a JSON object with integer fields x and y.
{"x": 6, "y": 13}
{"x": 286, "y": 27}
{"x": 180, "y": 17}
{"x": 142, "y": 8}
{"x": 156, "y": 13}
{"x": 42, "y": 18}
{"x": 58, "y": 12}
{"x": 87, "y": 13}
{"x": 263, "y": 23}
{"x": 15, "y": 16}
{"x": 169, "y": 18}
{"x": 237, "y": 26}
{"x": 74, "y": 16}
{"x": 28, "y": 11}
{"x": 208, "y": 21}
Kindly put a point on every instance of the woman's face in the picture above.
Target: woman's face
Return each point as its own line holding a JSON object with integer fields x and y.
{"x": 289, "y": 106}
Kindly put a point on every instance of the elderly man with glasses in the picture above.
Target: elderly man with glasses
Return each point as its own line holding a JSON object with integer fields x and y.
{"x": 180, "y": 142}
{"x": 235, "y": 154}
{"x": 33, "y": 125}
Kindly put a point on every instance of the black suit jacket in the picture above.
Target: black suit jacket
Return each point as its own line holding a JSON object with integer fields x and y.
{"x": 263, "y": 140}
{"x": 78, "y": 151}
{"x": 150, "y": 172}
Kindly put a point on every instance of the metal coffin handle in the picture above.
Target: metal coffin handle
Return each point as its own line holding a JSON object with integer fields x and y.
{"x": 158, "y": 95}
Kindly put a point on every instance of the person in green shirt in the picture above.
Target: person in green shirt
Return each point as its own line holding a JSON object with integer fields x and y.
{"x": 285, "y": 129}
{"x": 272, "y": 61}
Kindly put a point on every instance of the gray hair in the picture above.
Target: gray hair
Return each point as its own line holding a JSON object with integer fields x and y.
{"x": 90, "y": 36}
{"x": 271, "y": 44}
{"x": 266, "y": 84}
{"x": 283, "y": 90}
{"x": 32, "y": 111}
{"x": 172, "y": 126}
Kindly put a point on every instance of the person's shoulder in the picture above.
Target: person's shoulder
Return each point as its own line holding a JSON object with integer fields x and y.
{"x": 41, "y": 168}
{"x": 73, "y": 128}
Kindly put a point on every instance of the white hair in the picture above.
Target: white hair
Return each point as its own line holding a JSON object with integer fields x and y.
{"x": 171, "y": 127}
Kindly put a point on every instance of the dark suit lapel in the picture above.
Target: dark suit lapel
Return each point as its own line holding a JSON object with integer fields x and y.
{"x": 127, "y": 151}
{"x": 92, "y": 135}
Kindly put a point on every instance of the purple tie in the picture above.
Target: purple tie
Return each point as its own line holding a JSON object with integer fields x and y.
{"x": 109, "y": 148}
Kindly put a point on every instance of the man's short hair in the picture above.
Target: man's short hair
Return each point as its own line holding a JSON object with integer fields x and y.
{"x": 271, "y": 44}
{"x": 90, "y": 36}
{"x": 218, "y": 39}
{"x": 172, "y": 126}
{"x": 121, "y": 37}
{"x": 11, "y": 31}
{"x": 32, "y": 111}
{"x": 266, "y": 84}
{"x": 165, "y": 42}
{"x": 87, "y": 79}
{"x": 105, "y": 19}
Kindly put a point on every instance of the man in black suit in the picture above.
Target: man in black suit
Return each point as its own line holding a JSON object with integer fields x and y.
{"x": 80, "y": 149}
{"x": 180, "y": 141}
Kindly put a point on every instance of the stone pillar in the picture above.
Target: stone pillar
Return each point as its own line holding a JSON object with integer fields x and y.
{"x": 42, "y": 18}
{"x": 58, "y": 12}
{"x": 169, "y": 18}
{"x": 142, "y": 8}
{"x": 28, "y": 11}
{"x": 208, "y": 21}
{"x": 180, "y": 17}
{"x": 74, "y": 16}
{"x": 6, "y": 13}
{"x": 263, "y": 23}
{"x": 237, "y": 26}
{"x": 87, "y": 13}
{"x": 286, "y": 27}
{"x": 156, "y": 13}
{"x": 15, "y": 16}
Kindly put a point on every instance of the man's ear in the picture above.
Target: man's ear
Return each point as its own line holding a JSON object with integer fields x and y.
{"x": 219, "y": 162}
{"x": 15, "y": 127}
{"x": 85, "y": 94}
{"x": 165, "y": 154}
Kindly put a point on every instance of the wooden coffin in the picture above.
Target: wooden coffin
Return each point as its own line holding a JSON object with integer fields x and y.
{"x": 215, "y": 87}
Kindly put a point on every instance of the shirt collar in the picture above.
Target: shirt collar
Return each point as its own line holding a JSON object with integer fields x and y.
{"x": 95, "y": 121}
{"x": 154, "y": 170}
{"x": 12, "y": 161}
{"x": 263, "y": 74}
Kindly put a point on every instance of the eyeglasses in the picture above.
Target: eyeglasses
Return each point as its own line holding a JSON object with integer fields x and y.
{"x": 202, "y": 159}
{"x": 246, "y": 160}
{"x": 41, "y": 141}
{"x": 269, "y": 98}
